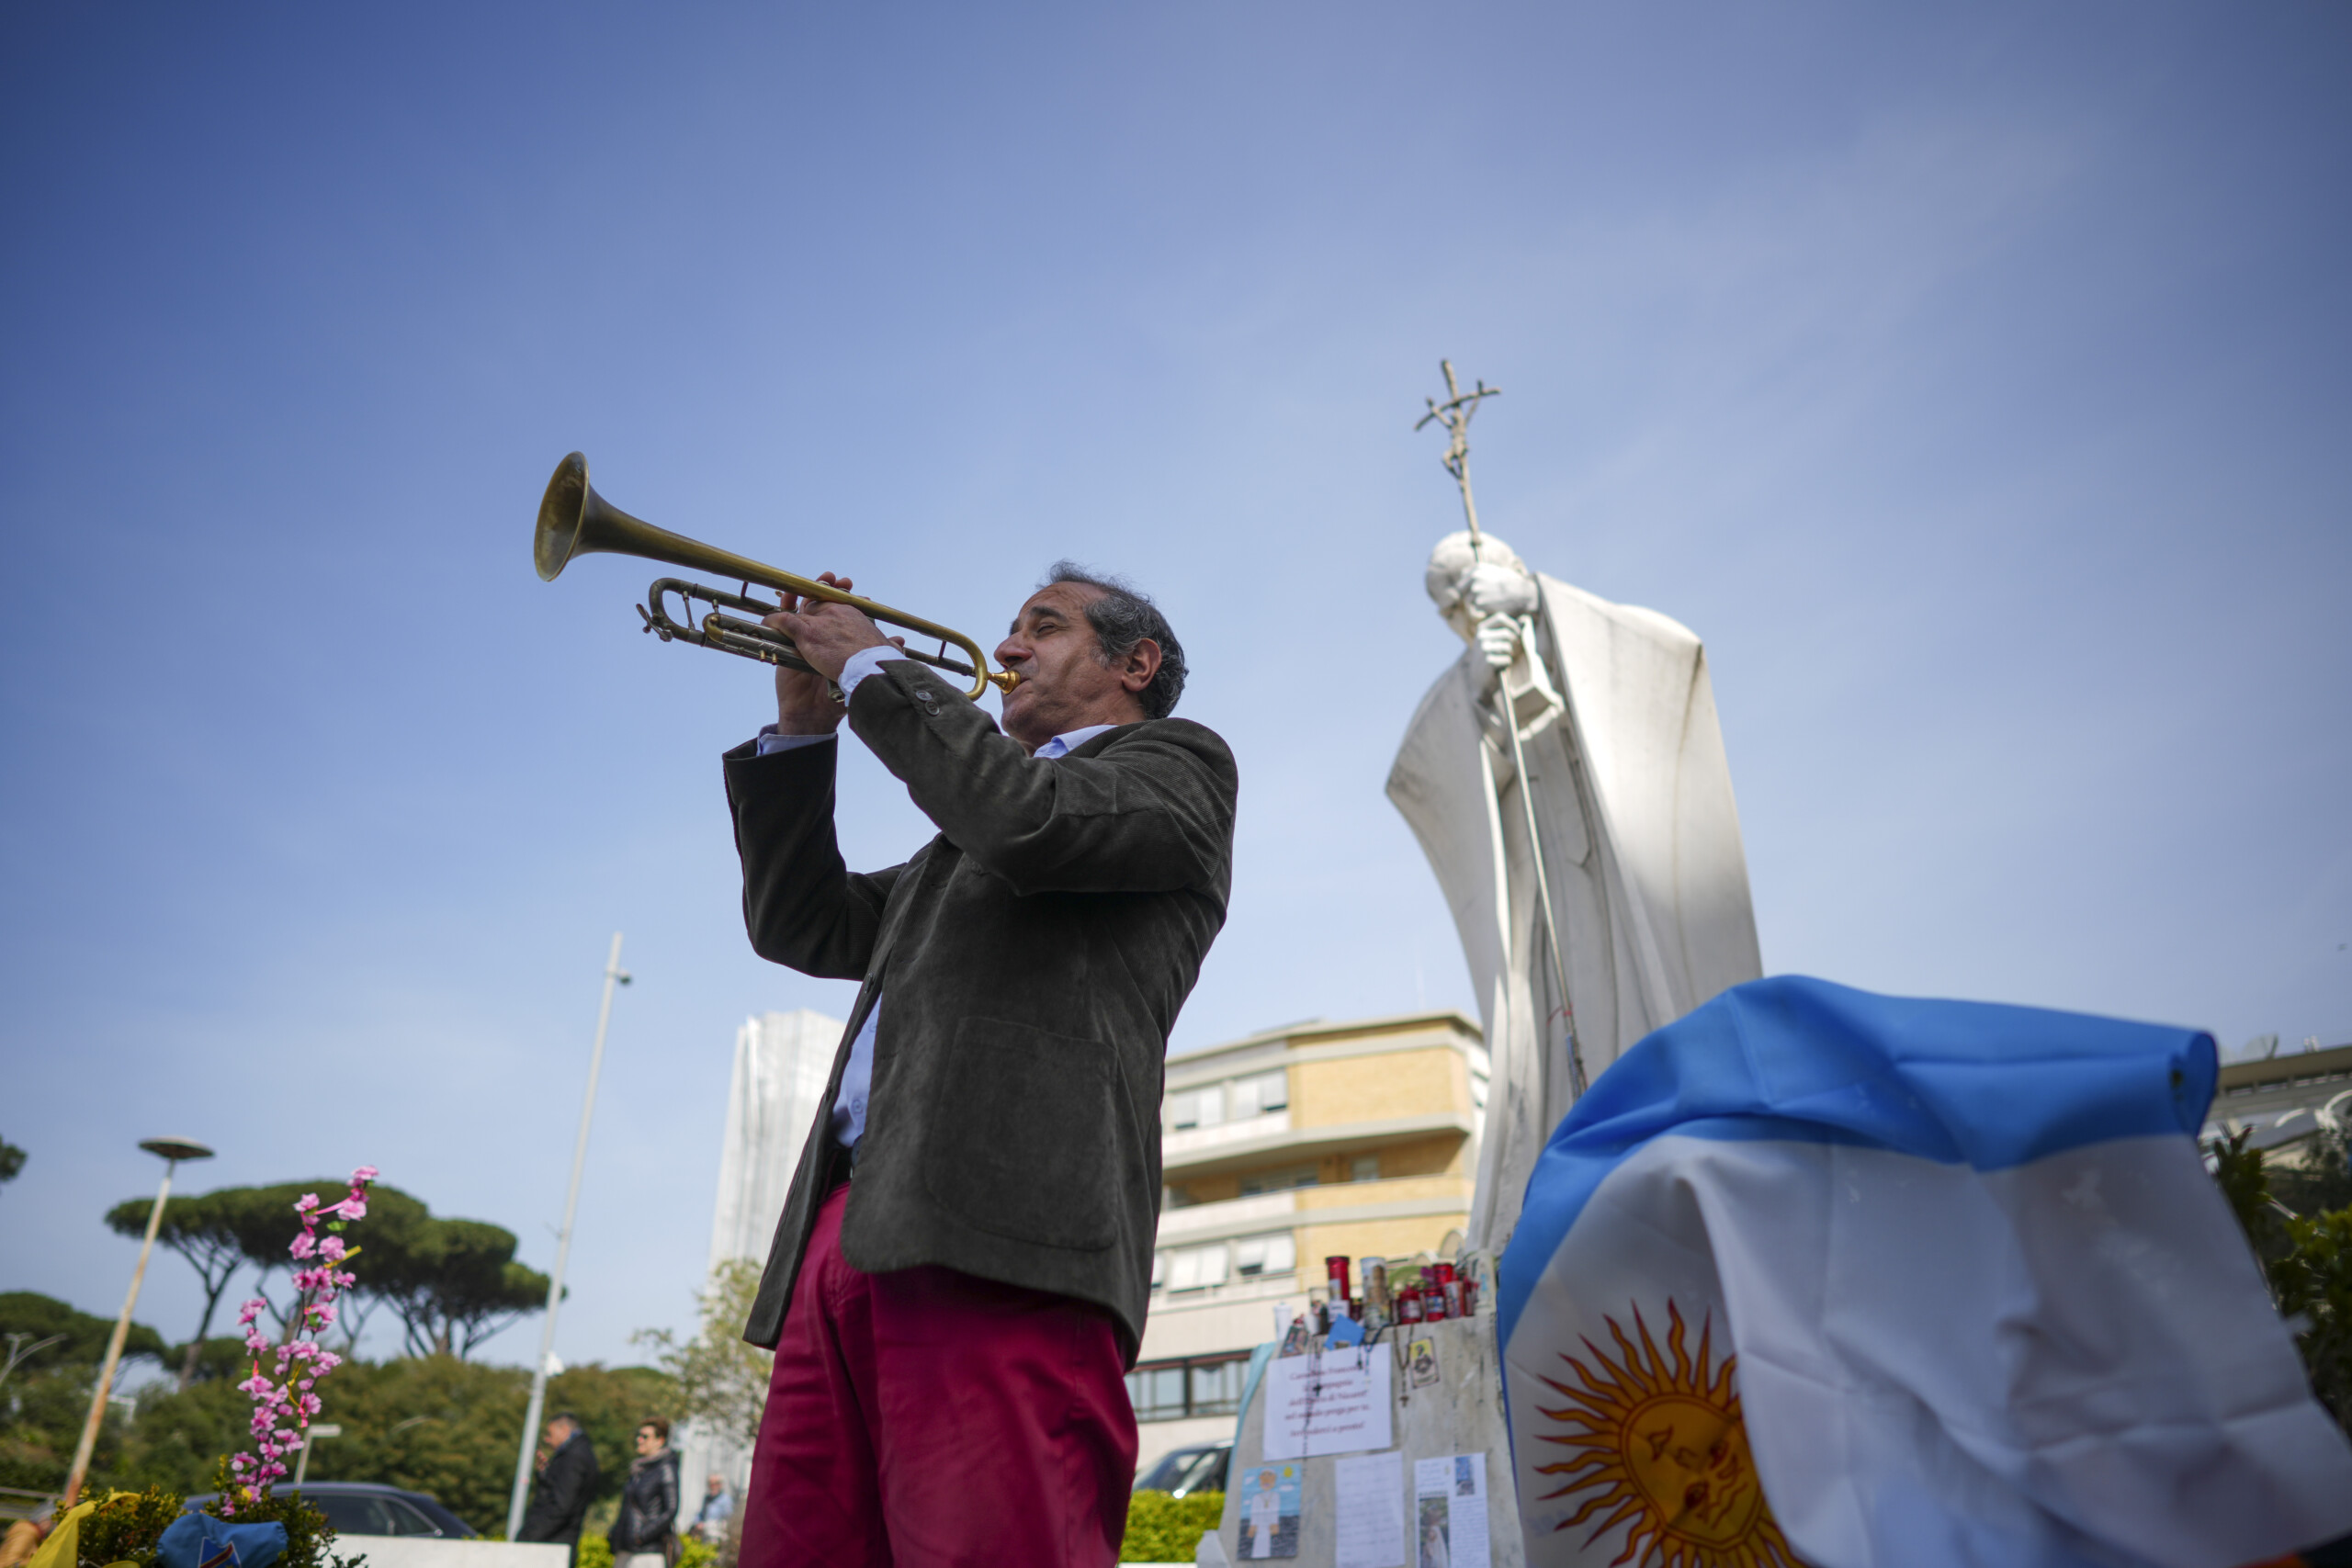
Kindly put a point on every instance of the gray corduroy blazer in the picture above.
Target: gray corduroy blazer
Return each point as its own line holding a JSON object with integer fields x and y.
{"x": 1035, "y": 953}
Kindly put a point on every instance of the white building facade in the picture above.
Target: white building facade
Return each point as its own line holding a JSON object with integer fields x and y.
{"x": 781, "y": 1060}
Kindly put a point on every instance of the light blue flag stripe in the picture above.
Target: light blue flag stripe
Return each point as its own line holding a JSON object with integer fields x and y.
{"x": 1800, "y": 1059}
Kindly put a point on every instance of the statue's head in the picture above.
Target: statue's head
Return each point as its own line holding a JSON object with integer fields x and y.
{"x": 1467, "y": 586}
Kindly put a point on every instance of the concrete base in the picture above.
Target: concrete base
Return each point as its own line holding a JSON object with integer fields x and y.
{"x": 1461, "y": 1412}
{"x": 428, "y": 1552}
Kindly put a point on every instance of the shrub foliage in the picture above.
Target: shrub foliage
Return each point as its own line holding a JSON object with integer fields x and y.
{"x": 1163, "y": 1527}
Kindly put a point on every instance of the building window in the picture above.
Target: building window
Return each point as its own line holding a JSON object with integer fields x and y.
{"x": 1157, "y": 1393}
{"x": 1196, "y": 1107}
{"x": 1265, "y": 1092}
{"x": 1189, "y": 1268}
{"x": 1364, "y": 1168}
{"x": 1281, "y": 1180}
{"x": 1216, "y": 1386}
{"x": 1257, "y": 1255}
{"x": 1169, "y": 1391}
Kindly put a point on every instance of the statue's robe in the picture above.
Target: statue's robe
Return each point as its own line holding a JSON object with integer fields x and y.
{"x": 1648, "y": 879}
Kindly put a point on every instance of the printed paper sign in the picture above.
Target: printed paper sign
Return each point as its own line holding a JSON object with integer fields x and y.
{"x": 1270, "y": 1509}
{"x": 1368, "y": 1493}
{"x": 1420, "y": 1363}
{"x": 1335, "y": 1403}
{"x": 1450, "y": 1512}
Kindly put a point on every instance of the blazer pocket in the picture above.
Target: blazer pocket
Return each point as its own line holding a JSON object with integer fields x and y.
{"x": 1030, "y": 1146}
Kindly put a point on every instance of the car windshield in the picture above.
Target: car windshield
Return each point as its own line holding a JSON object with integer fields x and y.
{"x": 1186, "y": 1471}
{"x": 358, "y": 1513}
{"x": 1205, "y": 1473}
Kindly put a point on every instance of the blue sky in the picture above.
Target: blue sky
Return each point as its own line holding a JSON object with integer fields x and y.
{"x": 1974, "y": 380}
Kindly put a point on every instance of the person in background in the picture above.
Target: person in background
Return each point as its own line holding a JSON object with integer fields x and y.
{"x": 567, "y": 1483}
{"x": 644, "y": 1533}
{"x": 717, "y": 1508}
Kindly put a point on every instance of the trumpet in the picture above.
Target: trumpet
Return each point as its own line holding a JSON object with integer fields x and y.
{"x": 575, "y": 521}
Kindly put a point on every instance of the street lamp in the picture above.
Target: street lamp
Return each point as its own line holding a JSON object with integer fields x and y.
{"x": 171, "y": 1151}
{"x": 614, "y": 975}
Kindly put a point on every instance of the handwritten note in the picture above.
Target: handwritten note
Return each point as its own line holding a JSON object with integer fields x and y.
{"x": 1368, "y": 1492}
{"x": 1335, "y": 1403}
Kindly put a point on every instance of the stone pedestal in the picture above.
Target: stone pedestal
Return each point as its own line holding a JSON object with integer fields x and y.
{"x": 1460, "y": 1413}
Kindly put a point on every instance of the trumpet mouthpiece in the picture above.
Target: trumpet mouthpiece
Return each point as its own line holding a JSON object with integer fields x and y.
{"x": 1004, "y": 680}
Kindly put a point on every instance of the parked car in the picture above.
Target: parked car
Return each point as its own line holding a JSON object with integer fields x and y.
{"x": 367, "y": 1507}
{"x": 1182, "y": 1471}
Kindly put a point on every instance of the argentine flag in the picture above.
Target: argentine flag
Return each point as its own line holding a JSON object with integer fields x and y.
{"x": 1813, "y": 1275}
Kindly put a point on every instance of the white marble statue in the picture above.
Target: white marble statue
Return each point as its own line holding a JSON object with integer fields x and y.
{"x": 1633, "y": 806}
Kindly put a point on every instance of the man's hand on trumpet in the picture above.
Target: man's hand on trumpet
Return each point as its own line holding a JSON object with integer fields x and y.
{"x": 826, "y": 634}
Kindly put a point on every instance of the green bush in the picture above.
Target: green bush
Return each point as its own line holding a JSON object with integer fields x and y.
{"x": 125, "y": 1527}
{"x": 595, "y": 1551}
{"x": 432, "y": 1424}
{"x": 1163, "y": 1527}
{"x": 2306, "y": 1259}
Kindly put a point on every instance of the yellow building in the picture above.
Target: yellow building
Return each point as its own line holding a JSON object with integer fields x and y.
{"x": 1281, "y": 1150}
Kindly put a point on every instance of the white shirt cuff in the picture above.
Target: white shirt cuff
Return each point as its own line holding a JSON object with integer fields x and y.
{"x": 770, "y": 742}
{"x": 864, "y": 662}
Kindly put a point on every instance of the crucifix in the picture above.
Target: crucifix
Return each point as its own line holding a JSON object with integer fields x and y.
{"x": 1454, "y": 413}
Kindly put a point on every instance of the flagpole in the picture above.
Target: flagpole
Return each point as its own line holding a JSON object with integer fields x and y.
{"x": 614, "y": 975}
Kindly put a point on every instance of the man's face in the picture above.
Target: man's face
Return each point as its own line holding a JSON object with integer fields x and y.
{"x": 557, "y": 1432}
{"x": 717, "y": 1485}
{"x": 1064, "y": 685}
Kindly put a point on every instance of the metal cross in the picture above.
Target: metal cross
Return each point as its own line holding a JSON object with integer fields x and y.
{"x": 1454, "y": 413}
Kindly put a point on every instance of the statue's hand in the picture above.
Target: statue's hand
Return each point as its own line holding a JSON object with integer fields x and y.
{"x": 1496, "y": 590}
{"x": 1498, "y": 640}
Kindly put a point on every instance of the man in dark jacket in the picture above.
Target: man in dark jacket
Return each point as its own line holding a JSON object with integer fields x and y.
{"x": 951, "y": 1325}
{"x": 566, "y": 1485}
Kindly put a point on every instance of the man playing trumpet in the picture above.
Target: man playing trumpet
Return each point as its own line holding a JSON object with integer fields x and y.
{"x": 960, "y": 1276}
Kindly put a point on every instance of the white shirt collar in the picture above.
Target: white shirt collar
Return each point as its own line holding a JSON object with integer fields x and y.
{"x": 1063, "y": 745}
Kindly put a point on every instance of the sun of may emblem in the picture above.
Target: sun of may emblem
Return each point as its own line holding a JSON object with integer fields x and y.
{"x": 1658, "y": 1443}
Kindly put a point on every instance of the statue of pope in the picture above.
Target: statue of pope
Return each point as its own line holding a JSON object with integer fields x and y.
{"x": 1631, "y": 801}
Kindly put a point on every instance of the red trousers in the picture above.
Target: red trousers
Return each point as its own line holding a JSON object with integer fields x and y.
{"x": 924, "y": 1417}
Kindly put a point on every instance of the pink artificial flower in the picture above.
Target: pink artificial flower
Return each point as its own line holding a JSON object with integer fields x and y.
{"x": 303, "y": 1245}
{"x": 364, "y": 1174}
{"x": 332, "y": 1248}
{"x": 305, "y": 1202}
{"x": 251, "y": 1310}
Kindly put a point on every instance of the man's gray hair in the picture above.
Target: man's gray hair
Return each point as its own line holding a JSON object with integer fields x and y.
{"x": 1122, "y": 617}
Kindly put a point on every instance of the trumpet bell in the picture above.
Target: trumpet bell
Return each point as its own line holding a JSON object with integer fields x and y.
{"x": 562, "y": 510}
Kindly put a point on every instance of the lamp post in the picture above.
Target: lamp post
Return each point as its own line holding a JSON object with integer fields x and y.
{"x": 614, "y": 975}
{"x": 311, "y": 1434}
{"x": 171, "y": 1151}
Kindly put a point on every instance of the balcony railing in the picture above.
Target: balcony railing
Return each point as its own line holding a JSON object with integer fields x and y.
{"x": 1226, "y": 1218}
{"x": 1192, "y": 1140}
{"x": 1254, "y": 1287}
